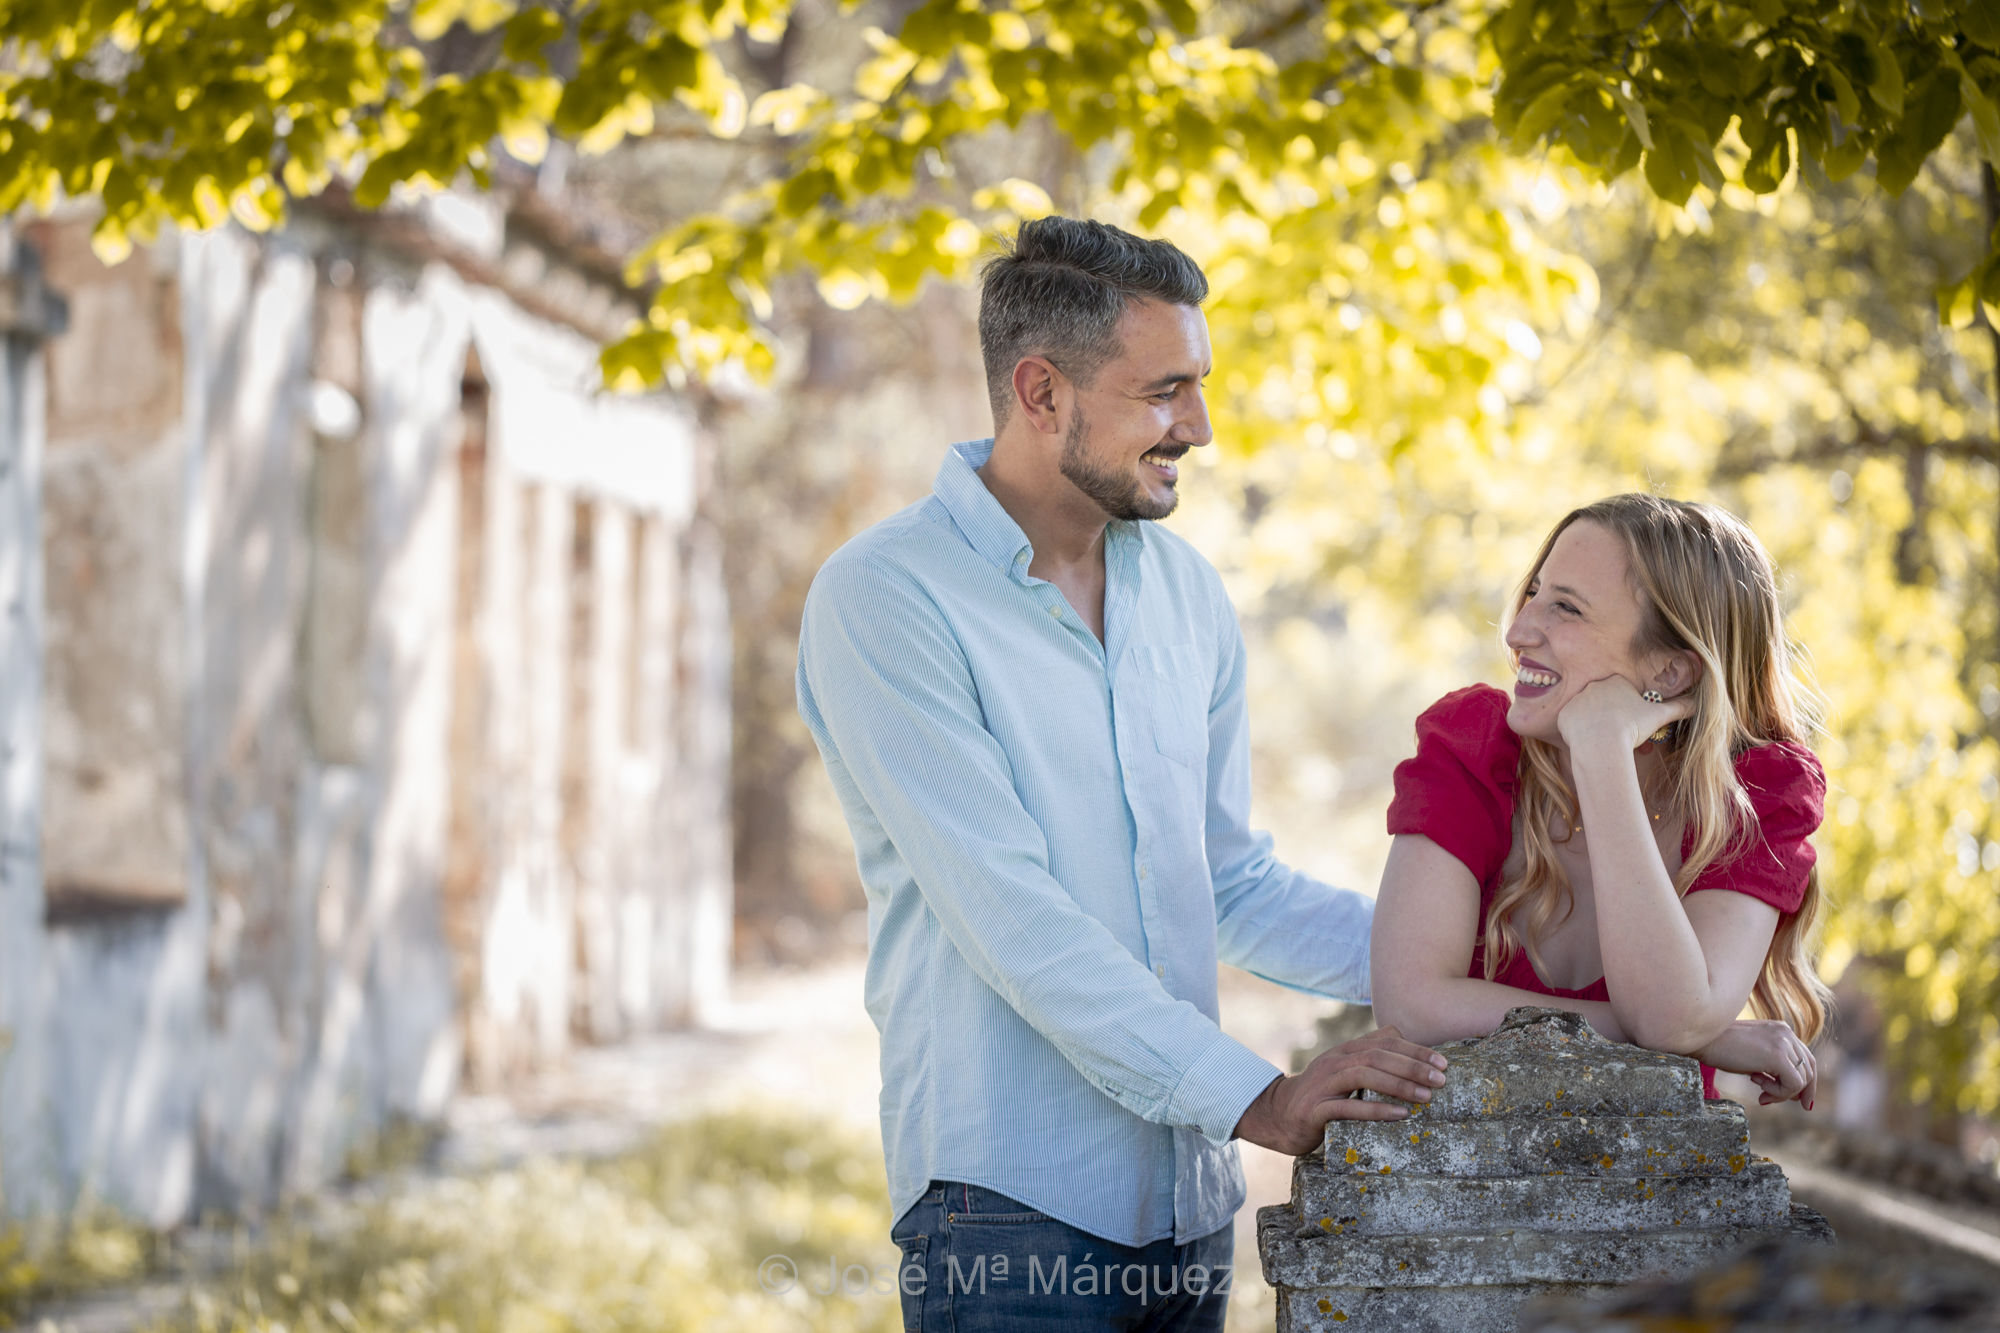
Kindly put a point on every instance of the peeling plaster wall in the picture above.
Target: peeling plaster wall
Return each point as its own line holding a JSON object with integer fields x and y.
{"x": 115, "y": 799}
{"x": 255, "y": 656}
{"x": 171, "y": 1023}
{"x": 23, "y": 1042}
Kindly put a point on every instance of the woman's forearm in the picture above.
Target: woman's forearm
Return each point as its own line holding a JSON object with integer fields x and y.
{"x": 1425, "y": 933}
{"x": 1658, "y": 975}
{"x": 1448, "y": 1009}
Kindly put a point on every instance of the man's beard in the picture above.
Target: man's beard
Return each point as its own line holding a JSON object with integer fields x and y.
{"x": 1118, "y": 494}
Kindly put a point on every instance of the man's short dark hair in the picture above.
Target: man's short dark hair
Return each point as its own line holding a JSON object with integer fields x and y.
{"x": 1059, "y": 290}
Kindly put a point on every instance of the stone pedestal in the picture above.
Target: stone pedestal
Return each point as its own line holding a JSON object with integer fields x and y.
{"x": 1552, "y": 1162}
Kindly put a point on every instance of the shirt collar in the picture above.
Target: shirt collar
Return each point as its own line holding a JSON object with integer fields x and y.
{"x": 987, "y": 526}
{"x": 993, "y": 532}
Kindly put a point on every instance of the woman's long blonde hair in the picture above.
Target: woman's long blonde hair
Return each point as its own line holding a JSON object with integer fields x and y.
{"x": 1705, "y": 586}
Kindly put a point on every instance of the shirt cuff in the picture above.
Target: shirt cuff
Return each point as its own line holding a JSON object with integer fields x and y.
{"x": 1219, "y": 1086}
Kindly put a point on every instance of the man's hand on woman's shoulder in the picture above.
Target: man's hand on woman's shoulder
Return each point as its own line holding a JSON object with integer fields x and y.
{"x": 1290, "y": 1115}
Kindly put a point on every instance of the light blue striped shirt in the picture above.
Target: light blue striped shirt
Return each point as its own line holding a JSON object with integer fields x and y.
{"x": 1054, "y": 838}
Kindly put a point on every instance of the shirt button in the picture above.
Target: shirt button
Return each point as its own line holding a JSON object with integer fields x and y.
{"x": 1144, "y": 870}
{"x": 1160, "y": 971}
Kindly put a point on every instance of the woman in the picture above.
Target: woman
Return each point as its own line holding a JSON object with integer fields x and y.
{"x": 1554, "y": 846}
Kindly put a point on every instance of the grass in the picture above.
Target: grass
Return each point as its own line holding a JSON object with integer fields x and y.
{"x": 94, "y": 1248}
{"x": 663, "y": 1239}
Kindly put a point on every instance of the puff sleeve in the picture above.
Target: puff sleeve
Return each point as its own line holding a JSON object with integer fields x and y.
{"x": 1787, "y": 790}
{"x": 1458, "y": 790}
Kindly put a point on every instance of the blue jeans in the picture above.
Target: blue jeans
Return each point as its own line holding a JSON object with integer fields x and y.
{"x": 974, "y": 1261}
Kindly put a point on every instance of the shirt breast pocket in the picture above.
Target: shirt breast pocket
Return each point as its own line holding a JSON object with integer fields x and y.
{"x": 1172, "y": 680}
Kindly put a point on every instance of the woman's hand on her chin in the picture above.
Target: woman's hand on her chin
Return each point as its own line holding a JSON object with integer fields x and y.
{"x": 1610, "y": 714}
{"x": 1773, "y": 1057}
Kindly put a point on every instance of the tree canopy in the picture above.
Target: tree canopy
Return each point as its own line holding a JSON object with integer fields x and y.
{"x": 1484, "y": 258}
{"x": 190, "y": 110}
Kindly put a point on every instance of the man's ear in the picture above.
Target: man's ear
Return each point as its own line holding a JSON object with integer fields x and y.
{"x": 1041, "y": 393}
{"x": 1677, "y": 674}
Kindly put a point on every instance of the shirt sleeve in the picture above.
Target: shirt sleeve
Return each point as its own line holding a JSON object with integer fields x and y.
{"x": 1458, "y": 790}
{"x": 1271, "y": 920}
{"x": 1787, "y": 790}
{"x": 886, "y": 690}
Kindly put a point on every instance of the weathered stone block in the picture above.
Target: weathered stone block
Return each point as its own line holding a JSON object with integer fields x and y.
{"x": 1550, "y": 1062}
{"x": 1551, "y": 1162}
{"x": 1713, "y": 1142}
{"x": 1390, "y": 1204}
{"x": 1487, "y": 1309}
{"x": 1310, "y": 1258}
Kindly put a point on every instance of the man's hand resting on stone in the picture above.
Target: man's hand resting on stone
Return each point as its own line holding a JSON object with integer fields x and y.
{"x": 1290, "y": 1115}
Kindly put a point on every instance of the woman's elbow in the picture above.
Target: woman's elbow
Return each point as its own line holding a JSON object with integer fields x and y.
{"x": 1676, "y": 1033}
{"x": 1393, "y": 1010}
{"x": 1408, "y": 1009}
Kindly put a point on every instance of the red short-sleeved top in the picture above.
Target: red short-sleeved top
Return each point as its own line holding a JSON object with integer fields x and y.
{"x": 1460, "y": 789}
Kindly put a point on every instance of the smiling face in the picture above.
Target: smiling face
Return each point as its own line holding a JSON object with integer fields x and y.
{"x": 1142, "y": 411}
{"x": 1577, "y": 623}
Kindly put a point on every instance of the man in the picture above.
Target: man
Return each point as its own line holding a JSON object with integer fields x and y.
{"x": 1031, "y": 702}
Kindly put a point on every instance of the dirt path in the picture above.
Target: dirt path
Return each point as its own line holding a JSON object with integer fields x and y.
{"x": 797, "y": 1041}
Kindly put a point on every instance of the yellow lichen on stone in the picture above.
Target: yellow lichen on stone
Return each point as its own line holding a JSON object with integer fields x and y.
{"x": 1605, "y": 1161}
{"x": 1352, "y": 1157}
{"x": 1736, "y": 1165}
{"x": 1339, "y": 1318}
{"x": 1326, "y": 1224}
{"x": 1385, "y": 1170}
{"x": 1416, "y": 1139}
{"x": 1326, "y": 1307}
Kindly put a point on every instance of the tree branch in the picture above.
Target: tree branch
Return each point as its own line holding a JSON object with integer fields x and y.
{"x": 1869, "y": 441}
{"x": 1279, "y": 26}
{"x": 1290, "y": 21}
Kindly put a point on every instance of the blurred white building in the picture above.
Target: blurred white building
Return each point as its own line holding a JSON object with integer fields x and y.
{"x": 364, "y": 694}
